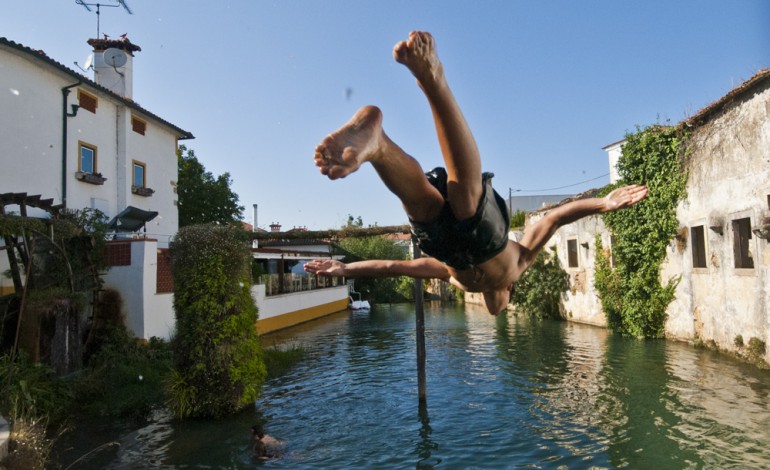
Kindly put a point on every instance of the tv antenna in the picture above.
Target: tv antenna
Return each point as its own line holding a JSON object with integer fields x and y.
{"x": 87, "y": 6}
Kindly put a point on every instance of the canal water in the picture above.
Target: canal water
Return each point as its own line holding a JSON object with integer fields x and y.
{"x": 506, "y": 392}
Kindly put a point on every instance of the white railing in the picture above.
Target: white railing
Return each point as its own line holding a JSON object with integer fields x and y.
{"x": 276, "y": 284}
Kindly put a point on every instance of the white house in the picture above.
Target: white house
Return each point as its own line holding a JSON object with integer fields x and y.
{"x": 86, "y": 144}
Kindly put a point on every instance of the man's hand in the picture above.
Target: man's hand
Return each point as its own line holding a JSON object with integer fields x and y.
{"x": 326, "y": 267}
{"x": 624, "y": 197}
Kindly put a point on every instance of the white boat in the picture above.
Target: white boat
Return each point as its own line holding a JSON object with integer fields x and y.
{"x": 357, "y": 304}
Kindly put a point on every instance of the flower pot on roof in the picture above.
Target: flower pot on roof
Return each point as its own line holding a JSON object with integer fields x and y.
{"x": 92, "y": 178}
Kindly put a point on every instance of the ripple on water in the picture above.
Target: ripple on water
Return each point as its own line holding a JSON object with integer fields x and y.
{"x": 503, "y": 392}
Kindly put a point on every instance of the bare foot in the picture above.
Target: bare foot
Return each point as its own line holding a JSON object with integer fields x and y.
{"x": 624, "y": 197}
{"x": 419, "y": 55}
{"x": 359, "y": 140}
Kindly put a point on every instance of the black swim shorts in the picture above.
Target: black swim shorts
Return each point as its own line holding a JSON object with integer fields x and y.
{"x": 464, "y": 244}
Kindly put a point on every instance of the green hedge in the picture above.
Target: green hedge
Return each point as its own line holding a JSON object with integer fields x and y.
{"x": 218, "y": 365}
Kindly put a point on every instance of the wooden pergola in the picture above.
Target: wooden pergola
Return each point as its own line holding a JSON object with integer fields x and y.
{"x": 345, "y": 232}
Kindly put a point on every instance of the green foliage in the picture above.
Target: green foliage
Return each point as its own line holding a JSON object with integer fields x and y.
{"x": 538, "y": 292}
{"x": 217, "y": 357}
{"x": 11, "y": 224}
{"x": 633, "y": 297}
{"x": 392, "y": 289}
{"x": 354, "y": 221}
{"x": 125, "y": 378}
{"x": 756, "y": 346}
{"x": 30, "y": 390}
{"x": 279, "y": 361}
{"x": 518, "y": 219}
{"x": 204, "y": 199}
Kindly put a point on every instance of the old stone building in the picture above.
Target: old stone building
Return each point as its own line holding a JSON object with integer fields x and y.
{"x": 721, "y": 251}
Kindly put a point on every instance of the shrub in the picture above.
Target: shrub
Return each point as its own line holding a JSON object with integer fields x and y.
{"x": 217, "y": 358}
{"x": 538, "y": 292}
{"x": 124, "y": 378}
{"x": 31, "y": 390}
{"x": 388, "y": 289}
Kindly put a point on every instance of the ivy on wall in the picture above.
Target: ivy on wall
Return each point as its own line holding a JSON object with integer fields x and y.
{"x": 628, "y": 282}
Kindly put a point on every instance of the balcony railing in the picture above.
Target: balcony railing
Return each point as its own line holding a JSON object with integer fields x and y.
{"x": 277, "y": 284}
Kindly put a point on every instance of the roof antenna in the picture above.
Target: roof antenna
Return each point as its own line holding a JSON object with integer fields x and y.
{"x": 87, "y": 6}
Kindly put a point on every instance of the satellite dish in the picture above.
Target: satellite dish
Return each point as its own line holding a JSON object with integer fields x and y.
{"x": 89, "y": 61}
{"x": 115, "y": 57}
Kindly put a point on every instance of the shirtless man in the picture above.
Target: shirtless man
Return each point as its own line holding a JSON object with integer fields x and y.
{"x": 456, "y": 216}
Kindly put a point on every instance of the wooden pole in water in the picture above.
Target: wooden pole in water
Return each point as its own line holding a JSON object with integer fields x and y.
{"x": 420, "y": 332}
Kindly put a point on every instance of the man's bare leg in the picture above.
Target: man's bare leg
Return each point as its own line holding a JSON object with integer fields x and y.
{"x": 461, "y": 155}
{"x": 362, "y": 140}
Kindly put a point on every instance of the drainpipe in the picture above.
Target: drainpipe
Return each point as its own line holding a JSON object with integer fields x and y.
{"x": 65, "y": 91}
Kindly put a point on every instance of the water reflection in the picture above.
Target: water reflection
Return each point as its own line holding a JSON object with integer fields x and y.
{"x": 502, "y": 392}
{"x": 425, "y": 446}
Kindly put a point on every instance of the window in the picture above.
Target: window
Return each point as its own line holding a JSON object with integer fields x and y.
{"x": 741, "y": 248}
{"x": 87, "y": 162}
{"x": 139, "y": 175}
{"x": 87, "y": 101}
{"x": 572, "y": 253}
{"x": 139, "y": 180}
{"x": 698, "y": 246}
{"x": 138, "y": 125}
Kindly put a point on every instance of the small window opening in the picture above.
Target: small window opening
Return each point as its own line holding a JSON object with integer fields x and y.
{"x": 138, "y": 126}
{"x": 87, "y": 101}
{"x": 741, "y": 247}
{"x": 698, "y": 246}
{"x": 139, "y": 174}
{"x": 572, "y": 253}
{"x": 87, "y": 163}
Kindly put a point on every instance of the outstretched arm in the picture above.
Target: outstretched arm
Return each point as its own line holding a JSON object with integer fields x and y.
{"x": 423, "y": 268}
{"x": 539, "y": 234}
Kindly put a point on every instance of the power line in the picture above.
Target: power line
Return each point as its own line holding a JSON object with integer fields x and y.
{"x": 560, "y": 187}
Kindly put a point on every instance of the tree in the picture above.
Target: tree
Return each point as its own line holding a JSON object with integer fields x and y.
{"x": 377, "y": 247}
{"x": 204, "y": 199}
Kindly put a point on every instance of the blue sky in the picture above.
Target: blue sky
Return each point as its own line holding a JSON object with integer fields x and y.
{"x": 544, "y": 84}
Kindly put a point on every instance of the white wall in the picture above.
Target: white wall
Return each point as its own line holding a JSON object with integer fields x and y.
{"x": 729, "y": 178}
{"x": 30, "y": 127}
{"x": 31, "y": 145}
{"x": 275, "y": 305}
{"x": 147, "y": 314}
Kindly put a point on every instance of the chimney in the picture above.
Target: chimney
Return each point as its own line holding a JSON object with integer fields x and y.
{"x": 275, "y": 227}
{"x": 254, "y": 207}
{"x": 114, "y": 64}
